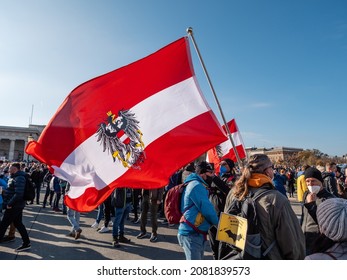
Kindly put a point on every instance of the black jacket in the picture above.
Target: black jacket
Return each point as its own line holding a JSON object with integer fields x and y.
{"x": 121, "y": 196}
{"x": 218, "y": 192}
{"x": 15, "y": 191}
{"x": 309, "y": 223}
{"x": 330, "y": 183}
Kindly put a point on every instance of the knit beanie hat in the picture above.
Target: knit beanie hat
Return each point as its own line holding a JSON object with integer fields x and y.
{"x": 203, "y": 167}
{"x": 332, "y": 218}
{"x": 313, "y": 172}
{"x": 229, "y": 162}
{"x": 257, "y": 163}
{"x": 190, "y": 167}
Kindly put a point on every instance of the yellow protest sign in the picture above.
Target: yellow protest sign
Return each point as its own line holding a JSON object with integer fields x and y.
{"x": 232, "y": 229}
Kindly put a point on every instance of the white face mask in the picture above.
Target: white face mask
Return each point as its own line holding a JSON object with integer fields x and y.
{"x": 313, "y": 189}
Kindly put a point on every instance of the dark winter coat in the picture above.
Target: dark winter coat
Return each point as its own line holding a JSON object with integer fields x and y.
{"x": 15, "y": 191}
{"x": 330, "y": 183}
{"x": 309, "y": 218}
{"x": 121, "y": 196}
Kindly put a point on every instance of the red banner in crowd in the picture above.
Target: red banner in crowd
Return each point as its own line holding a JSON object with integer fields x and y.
{"x": 225, "y": 149}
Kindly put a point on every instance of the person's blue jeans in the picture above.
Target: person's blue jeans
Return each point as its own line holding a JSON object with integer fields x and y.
{"x": 56, "y": 200}
{"x": 100, "y": 214}
{"x": 193, "y": 245}
{"x": 118, "y": 223}
{"x": 74, "y": 218}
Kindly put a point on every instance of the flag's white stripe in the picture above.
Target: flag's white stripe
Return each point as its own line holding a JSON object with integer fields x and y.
{"x": 123, "y": 138}
{"x": 226, "y": 146}
{"x": 237, "y": 138}
{"x": 157, "y": 115}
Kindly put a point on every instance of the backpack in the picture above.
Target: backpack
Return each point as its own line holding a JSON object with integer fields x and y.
{"x": 172, "y": 204}
{"x": 29, "y": 189}
{"x": 253, "y": 247}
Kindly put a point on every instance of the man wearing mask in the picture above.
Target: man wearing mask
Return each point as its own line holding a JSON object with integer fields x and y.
{"x": 221, "y": 185}
{"x": 198, "y": 212}
{"x": 227, "y": 172}
{"x": 315, "y": 195}
{"x": 218, "y": 192}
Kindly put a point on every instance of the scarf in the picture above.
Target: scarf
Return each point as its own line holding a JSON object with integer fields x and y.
{"x": 257, "y": 180}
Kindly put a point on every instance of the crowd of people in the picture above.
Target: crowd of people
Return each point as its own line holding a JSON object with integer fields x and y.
{"x": 320, "y": 233}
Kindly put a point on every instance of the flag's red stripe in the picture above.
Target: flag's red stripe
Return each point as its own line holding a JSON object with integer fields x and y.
{"x": 162, "y": 155}
{"x": 231, "y": 154}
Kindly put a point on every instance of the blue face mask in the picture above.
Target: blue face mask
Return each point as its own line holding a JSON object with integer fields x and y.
{"x": 222, "y": 170}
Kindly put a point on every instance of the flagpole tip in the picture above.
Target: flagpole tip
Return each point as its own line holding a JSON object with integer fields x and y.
{"x": 190, "y": 30}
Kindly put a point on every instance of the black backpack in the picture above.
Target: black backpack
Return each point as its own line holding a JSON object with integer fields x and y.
{"x": 253, "y": 247}
{"x": 29, "y": 190}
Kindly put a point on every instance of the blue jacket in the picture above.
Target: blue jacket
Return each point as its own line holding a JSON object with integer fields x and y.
{"x": 202, "y": 213}
{"x": 3, "y": 184}
{"x": 15, "y": 190}
{"x": 279, "y": 181}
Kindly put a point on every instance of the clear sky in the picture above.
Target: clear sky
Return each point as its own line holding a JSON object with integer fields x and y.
{"x": 278, "y": 67}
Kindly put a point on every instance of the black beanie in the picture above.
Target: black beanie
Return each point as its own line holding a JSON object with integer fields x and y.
{"x": 203, "y": 167}
{"x": 229, "y": 162}
{"x": 313, "y": 172}
{"x": 190, "y": 167}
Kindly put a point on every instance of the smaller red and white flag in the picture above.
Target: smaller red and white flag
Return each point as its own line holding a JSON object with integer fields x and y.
{"x": 225, "y": 149}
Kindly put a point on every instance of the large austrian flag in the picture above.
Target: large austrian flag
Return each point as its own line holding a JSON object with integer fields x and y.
{"x": 133, "y": 127}
{"x": 225, "y": 149}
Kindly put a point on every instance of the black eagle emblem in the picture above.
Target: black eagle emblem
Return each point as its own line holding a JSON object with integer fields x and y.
{"x": 219, "y": 151}
{"x": 121, "y": 137}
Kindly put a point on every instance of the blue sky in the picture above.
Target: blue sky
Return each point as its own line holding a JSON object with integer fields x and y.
{"x": 278, "y": 67}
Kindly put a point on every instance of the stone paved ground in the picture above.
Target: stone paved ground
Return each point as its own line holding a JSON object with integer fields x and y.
{"x": 47, "y": 231}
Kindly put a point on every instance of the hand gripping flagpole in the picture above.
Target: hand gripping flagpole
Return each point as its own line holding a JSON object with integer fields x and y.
{"x": 190, "y": 33}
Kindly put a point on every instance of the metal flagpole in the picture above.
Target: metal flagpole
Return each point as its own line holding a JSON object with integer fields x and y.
{"x": 190, "y": 33}
{"x": 32, "y": 112}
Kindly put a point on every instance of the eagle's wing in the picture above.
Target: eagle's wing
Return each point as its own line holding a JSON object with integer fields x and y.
{"x": 219, "y": 150}
{"x": 109, "y": 143}
{"x": 132, "y": 125}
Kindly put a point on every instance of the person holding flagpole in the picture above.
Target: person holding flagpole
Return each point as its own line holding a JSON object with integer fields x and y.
{"x": 218, "y": 192}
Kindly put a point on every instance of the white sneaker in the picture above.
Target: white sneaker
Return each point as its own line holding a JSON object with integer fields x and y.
{"x": 95, "y": 225}
{"x": 104, "y": 229}
{"x": 110, "y": 223}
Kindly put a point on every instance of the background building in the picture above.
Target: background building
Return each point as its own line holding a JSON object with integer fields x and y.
{"x": 276, "y": 154}
{"x": 13, "y": 141}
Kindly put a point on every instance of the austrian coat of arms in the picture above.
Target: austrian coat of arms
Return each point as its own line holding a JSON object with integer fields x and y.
{"x": 121, "y": 137}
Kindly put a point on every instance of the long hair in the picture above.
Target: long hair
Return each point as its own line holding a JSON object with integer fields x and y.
{"x": 241, "y": 187}
{"x": 257, "y": 163}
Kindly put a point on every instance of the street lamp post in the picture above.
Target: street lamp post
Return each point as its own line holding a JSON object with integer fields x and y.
{"x": 30, "y": 138}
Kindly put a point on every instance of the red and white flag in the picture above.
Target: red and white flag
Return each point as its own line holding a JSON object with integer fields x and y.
{"x": 225, "y": 149}
{"x": 134, "y": 126}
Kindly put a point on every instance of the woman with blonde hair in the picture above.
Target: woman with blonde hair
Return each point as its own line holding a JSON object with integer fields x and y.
{"x": 281, "y": 234}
